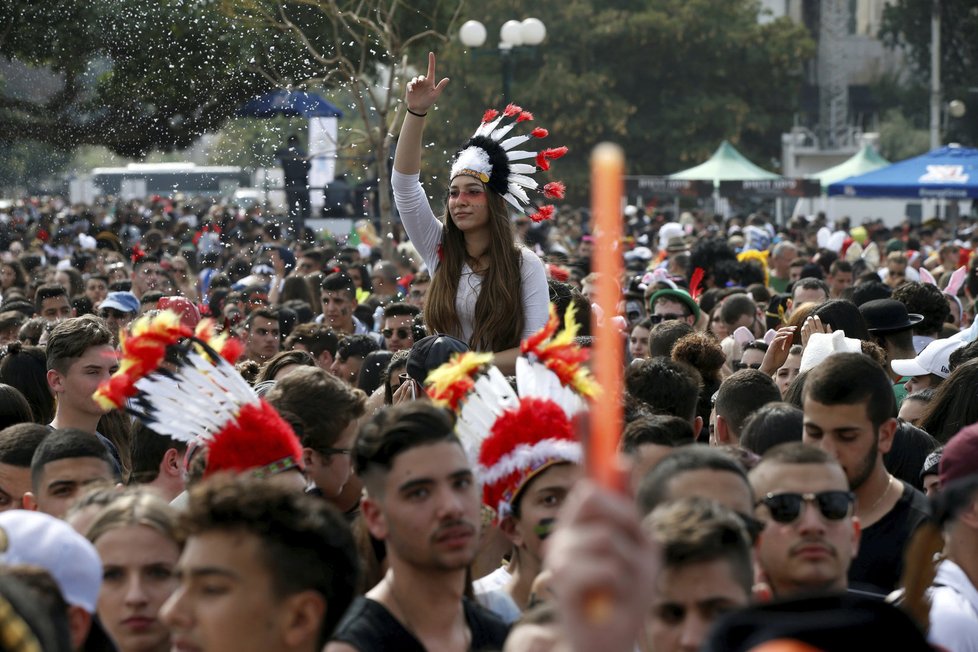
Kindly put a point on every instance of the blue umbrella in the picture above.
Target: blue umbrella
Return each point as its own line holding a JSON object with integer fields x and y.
{"x": 949, "y": 172}
{"x": 292, "y": 104}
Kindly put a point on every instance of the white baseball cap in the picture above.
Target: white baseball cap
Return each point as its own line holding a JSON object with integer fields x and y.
{"x": 38, "y": 539}
{"x": 933, "y": 359}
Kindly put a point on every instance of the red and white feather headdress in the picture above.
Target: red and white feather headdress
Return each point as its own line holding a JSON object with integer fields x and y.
{"x": 512, "y": 435}
{"x": 493, "y": 158}
{"x": 182, "y": 383}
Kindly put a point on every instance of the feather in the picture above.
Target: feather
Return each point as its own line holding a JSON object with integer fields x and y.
{"x": 510, "y": 143}
{"x": 256, "y": 438}
{"x": 502, "y": 131}
{"x": 543, "y": 214}
{"x": 554, "y": 190}
{"x": 695, "y": 283}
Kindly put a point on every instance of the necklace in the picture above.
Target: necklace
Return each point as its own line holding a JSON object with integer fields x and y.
{"x": 466, "y": 632}
{"x": 886, "y": 490}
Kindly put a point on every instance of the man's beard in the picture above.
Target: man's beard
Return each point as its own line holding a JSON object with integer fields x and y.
{"x": 866, "y": 466}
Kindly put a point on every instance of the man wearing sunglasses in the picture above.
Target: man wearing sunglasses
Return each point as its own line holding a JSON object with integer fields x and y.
{"x": 850, "y": 413}
{"x": 667, "y": 305}
{"x": 811, "y": 533}
{"x": 398, "y": 328}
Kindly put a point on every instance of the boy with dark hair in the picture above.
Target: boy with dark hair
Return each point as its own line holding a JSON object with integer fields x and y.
{"x": 51, "y": 302}
{"x": 811, "y": 533}
{"x": 319, "y": 340}
{"x": 261, "y": 335}
{"x": 80, "y": 356}
{"x": 850, "y": 412}
{"x": 146, "y": 275}
{"x": 649, "y": 439}
{"x": 157, "y": 462}
{"x": 349, "y": 357}
{"x": 840, "y": 278}
{"x": 327, "y": 436}
{"x": 284, "y": 565}
{"x": 65, "y": 462}
{"x": 698, "y": 471}
{"x": 928, "y": 301}
{"x": 423, "y": 501}
{"x": 706, "y": 560}
{"x": 809, "y": 290}
{"x": 10, "y": 323}
{"x": 419, "y": 289}
{"x": 17, "y": 446}
{"x": 740, "y": 395}
{"x": 339, "y": 300}
{"x": 399, "y": 326}
{"x": 666, "y": 387}
{"x": 664, "y": 336}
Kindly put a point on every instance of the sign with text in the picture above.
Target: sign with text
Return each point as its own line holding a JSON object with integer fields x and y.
{"x": 648, "y": 186}
{"x": 784, "y": 187}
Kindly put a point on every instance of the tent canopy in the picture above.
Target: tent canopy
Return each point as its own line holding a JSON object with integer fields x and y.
{"x": 950, "y": 172}
{"x": 291, "y": 104}
{"x": 726, "y": 164}
{"x": 865, "y": 160}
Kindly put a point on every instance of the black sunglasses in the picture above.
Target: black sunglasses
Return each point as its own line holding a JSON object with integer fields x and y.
{"x": 743, "y": 365}
{"x": 658, "y": 319}
{"x": 786, "y": 507}
{"x": 402, "y": 333}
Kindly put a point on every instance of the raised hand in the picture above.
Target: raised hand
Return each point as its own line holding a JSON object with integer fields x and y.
{"x": 604, "y": 570}
{"x": 811, "y": 326}
{"x": 423, "y": 91}
{"x": 777, "y": 351}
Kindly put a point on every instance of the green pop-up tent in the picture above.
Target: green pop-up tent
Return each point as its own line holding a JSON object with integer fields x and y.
{"x": 865, "y": 160}
{"x": 726, "y": 164}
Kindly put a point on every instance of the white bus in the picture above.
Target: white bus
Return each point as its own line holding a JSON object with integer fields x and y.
{"x": 141, "y": 180}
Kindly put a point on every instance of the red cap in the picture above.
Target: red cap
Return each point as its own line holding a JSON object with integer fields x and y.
{"x": 960, "y": 457}
{"x": 189, "y": 315}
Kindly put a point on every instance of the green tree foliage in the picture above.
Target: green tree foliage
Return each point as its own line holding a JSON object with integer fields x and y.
{"x": 129, "y": 74}
{"x": 907, "y": 25}
{"x": 899, "y": 139}
{"x": 668, "y": 79}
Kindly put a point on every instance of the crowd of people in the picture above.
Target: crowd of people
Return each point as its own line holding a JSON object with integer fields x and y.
{"x": 217, "y": 434}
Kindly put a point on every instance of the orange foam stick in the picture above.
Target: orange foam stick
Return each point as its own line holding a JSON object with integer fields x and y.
{"x": 607, "y": 190}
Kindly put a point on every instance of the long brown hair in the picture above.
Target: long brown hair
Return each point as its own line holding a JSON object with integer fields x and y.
{"x": 499, "y": 316}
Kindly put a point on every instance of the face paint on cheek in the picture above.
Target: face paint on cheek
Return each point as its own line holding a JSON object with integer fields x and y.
{"x": 544, "y": 528}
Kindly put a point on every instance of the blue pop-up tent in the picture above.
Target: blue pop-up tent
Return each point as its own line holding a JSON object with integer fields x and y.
{"x": 294, "y": 104}
{"x": 950, "y": 172}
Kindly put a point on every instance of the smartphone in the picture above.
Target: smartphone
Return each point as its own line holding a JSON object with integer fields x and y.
{"x": 405, "y": 378}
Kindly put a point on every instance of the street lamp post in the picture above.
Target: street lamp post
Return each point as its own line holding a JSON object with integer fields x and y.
{"x": 515, "y": 38}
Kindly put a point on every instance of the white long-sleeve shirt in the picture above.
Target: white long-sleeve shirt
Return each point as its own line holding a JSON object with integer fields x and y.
{"x": 425, "y": 232}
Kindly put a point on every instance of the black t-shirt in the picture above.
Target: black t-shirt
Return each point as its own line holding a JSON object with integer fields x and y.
{"x": 369, "y": 627}
{"x": 879, "y": 564}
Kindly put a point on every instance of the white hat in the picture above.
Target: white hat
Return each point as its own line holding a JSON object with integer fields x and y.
{"x": 822, "y": 345}
{"x": 38, "y": 539}
{"x": 934, "y": 359}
